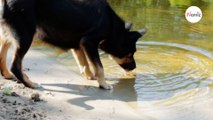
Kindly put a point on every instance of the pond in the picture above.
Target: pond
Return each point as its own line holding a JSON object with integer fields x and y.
{"x": 174, "y": 75}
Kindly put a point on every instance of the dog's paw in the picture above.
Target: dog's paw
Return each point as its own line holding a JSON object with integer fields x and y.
{"x": 34, "y": 85}
{"x": 8, "y": 75}
{"x": 29, "y": 83}
{"x": 106, "y": 87}
{"x": 91, "y": 77}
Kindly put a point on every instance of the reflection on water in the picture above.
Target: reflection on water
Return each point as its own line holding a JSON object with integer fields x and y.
{"x": 166, "y": 71}
{"x": 174, "y": 75}
{"x": 169, "y": 79}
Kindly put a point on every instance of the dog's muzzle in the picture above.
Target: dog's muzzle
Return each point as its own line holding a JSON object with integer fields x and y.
{"x": 128, "y": 66}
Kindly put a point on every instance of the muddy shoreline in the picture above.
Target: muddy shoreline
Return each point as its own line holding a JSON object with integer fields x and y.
{"x": 64, "y": 95}
{"x": 19, "y": 106}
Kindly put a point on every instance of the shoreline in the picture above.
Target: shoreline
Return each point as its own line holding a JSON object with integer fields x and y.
{"x": 65, "y": 94}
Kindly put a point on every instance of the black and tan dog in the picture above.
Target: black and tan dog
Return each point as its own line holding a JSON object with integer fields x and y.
{"x": 80, "y": 25}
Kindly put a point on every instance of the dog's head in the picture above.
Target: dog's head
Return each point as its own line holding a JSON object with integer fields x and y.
{"x": 123, "y": 49}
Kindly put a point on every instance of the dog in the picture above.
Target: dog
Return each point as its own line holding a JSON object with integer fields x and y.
{"x": 80, "y": 25}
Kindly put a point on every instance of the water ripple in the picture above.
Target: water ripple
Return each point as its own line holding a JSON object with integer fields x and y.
{"x": 187, "y": 47}
{"x": 170, "y": 70}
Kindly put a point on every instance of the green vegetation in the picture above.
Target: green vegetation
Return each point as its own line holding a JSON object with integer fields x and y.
{"x": 7, "y": 91}
{"x": 163, "y": 3}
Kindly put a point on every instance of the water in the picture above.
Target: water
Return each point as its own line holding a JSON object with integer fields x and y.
{"x": 174, "y": 75}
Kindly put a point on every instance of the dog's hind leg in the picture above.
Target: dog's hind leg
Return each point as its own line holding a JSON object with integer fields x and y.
{"x": 4, "y": 46}
{"x": 24, "y": 40}
{"x": 83, "y": 65}
{"x": 22, "y": 24}
{"x": 24, "y": 36}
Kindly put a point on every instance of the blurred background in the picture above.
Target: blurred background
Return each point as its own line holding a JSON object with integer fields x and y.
{"x": 166, "y": 21}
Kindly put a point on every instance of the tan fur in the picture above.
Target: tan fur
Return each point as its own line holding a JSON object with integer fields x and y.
{"x": 83, "y": 65}
{"x": 4, "y": 46}
{"x": 99, "y": 74}
{"x": 30, "y": 83}
{"x": 5, "y": 43}
{"x": 123, "y": 60}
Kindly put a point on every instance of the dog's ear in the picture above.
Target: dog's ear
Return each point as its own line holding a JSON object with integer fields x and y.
{"x": 142, "y": 31}
{"x": 128, "y": 26}
{"x": 135, "y": 35}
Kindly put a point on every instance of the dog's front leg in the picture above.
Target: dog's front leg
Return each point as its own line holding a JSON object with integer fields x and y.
{"x": 83, "y": 65}
{"x": 91, "y": 50}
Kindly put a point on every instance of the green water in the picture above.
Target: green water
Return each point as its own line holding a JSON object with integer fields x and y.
{"x": 174, "y": 75}
{"x": 174, "y": 72}
{"x": 166, "y": 22}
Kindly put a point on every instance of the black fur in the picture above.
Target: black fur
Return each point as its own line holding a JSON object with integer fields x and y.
{"x": 67, "y": 24}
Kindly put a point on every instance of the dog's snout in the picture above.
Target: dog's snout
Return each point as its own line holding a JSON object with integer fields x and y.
{"x": 129, "y": 66}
